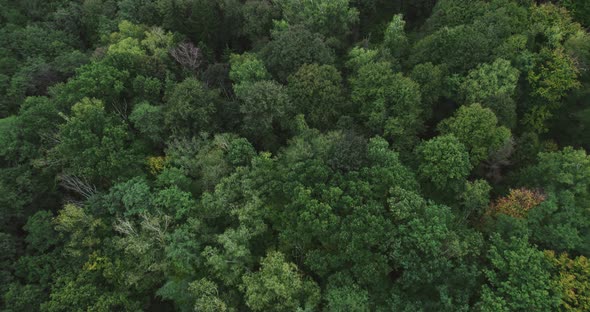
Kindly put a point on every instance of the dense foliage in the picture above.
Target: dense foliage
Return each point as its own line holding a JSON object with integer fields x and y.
{"x": 294, "y": 155}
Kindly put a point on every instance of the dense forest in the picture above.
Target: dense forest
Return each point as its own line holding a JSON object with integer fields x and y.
{"x": 294, "y": 155}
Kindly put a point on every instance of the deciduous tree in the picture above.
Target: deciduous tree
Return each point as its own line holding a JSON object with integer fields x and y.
{"x": 476, "y": 127}
{"x": 444, "y": 162}
{"x": 279, "y": 286}
{"x": 316, "y": 91}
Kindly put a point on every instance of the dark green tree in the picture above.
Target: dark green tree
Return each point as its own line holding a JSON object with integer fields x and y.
{"x": 95, "y": 145}
{"x": 189, "y": 108}
{"x": 444, "y": 162}
{"x": 316, "y": 91}
{"x": 292, "y": 47}
{"x": 388, "y": 103}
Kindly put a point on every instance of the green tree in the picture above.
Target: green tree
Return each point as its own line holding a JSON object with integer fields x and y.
{"x": 265, "y": 107}
{"x": 560, "y": 222}
{"x": 571, "y": 277}
{"x": 388, "y": 103}
{"x": 96, "y": 145}
{"x": 174, "y": 202}
{"x": 580, "y": 10}
{"x": 279, "y": 286}
{"x": 199, "y": 20}
{"x": 454, "y": 12}
{"x": 207, "y": 160}
{"x": 432, "y": 81}
{"x": 40, "y": 233}
{"x": 189, "y": 108}
{"x": 147, "y": 89}
{"x": 245, "y": 70}
{"x": 36, "y": 124}
{"x": 476, "y": 127}
{"x": 130, "y": 198}
{"x": 84, "y": 292}
{"x": 359, "y": 56}
{"x": 95, "y": 80}
{"x": 428, "y": 264}
{"x": 553, "y": 76}
{"x": 504, "y": 107}
{"x": 347, "y": 298}
{"x": 460, "y": 48}
{"x": 331, "y": 18}
{"x": 207, "y": 296}
{"x": 292, "y": 47}
{"x": 148, "y": 120}
{"x": 444, "y": 162}
{"x": 140, "y": 11}
{"x": 517, "y": 278}
{"x": 8, "y": 248}
{"x": 258, "y": 19}
{"x": 316, "y": 91}
{"x": 476, "y": 197}
{"x": 395, "y": 40}
{"x": 563, "y": 170}
{"x": 23, "y": 297}
{"x": 489, "y": 80}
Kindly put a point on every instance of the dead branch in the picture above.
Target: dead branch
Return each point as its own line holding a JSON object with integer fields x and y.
{"x": 125, "y": 227}
{"x": 78, "y": 185}
{"x": 187, "y": 55}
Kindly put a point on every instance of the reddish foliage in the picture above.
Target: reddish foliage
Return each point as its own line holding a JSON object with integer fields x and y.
{"x": 518, "y": 202}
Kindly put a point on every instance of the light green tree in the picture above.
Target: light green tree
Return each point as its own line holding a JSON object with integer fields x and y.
{"x": 444, "y": 161}
{"x": 279, "y": 286}
{"x": 476, "y": 127}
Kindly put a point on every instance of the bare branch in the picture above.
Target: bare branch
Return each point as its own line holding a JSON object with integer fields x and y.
{"x": 125, "y": 227}
{"x": 187, "y": 55}
{"x": 158, "y": 226}
{"x": 78, "y": 185}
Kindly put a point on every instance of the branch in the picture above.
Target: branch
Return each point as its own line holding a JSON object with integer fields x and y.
{"x": 187, "y": 55}
{"x": 125, "y": 227}
{"x": 78, "y": 185}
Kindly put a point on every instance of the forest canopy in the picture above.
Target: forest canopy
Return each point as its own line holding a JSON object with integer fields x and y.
{"x": 294, "y": 155}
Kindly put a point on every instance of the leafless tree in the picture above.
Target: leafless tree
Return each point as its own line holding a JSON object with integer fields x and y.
{"x": 125, "y": 227}
{"x": 156, "y": 225}
{"x": 78, "y": 185}
{"x": 152, "y": 228}
{"x": 187, "y": 55}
